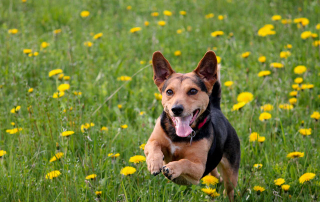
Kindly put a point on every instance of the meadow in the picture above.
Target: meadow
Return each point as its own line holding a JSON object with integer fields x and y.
{"x": 77, "y": 98}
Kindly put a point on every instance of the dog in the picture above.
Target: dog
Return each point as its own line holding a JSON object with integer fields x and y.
{"x": 192, "y": 137}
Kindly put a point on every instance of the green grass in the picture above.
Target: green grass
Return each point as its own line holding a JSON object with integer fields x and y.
{"x": 94, "y": 72}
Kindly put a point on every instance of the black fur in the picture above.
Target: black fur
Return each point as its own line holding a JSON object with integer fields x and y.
{"x": 217, "y": 129}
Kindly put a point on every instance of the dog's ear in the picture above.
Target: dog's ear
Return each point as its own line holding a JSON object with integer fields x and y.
{"x": 207, "y": 69}
{"x": 161, "y": 69}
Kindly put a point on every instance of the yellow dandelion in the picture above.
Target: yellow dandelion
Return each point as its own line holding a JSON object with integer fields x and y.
{"x": 295, "y": 155}
{"x": 53, "y": 174}
{"x": 124, "y": 126}
{"x": 300, "y": 69}
{"x": 257, "y": 166}
{"x": 262, "y": 59}
{"x": 66, "y": 133}
{"x": 146, "y": 23}
{"x": 298, "y": 80}
{"x": 305, "y": 131}
{"x": 120, "y": 106}
{"x": 220, "y": 17}
{"x": 135, "y": 29}
{"x": 258, "y": 189}
{"x": 104, "y": 128}
{"x": 293, "y": 100}
{"x": 217, "y": 33}
{"x": 63, "y": 87}
{"x": 245, "y": 97}
{"x": 177, "y": 53}
{"x": 124, "y": 78}
{"x": 210, "y": 15}
{"x": 97, "y": 36}
{"x": 13, "y": 31}
{"x": 266, "y": 30}
{"x": 286, "y": 106}
{"x": 266, "y": 107}
{"x": 137, "y": 159}
{"x": 98, "y": 193}
{"x": 316, "y": 43}
{"x": 276, "y": 17}
{"x": 179, "y": 31}
{"x": 293, "y": 93}
{"x": 84, "y": 14}
{"x": 58, "y": 94}
{"x": 238, "y": 106}
{"x": 303, "y": 21}
{"x": 27, "y": 51}
{"x": 218, "y": 59}
{"x": 44, "y": 44}
{"x": 112, "y": 155}
{"x": 158, "y": 96}
{"x": 228, "y": 83}
{"x": 154, "y": 14}
{"x": 253, "y": 136}
{"x": 88, "y": 43}
{"x": 66, "y": 78}
{"x": 167, "y": 13}
{"x": 183, "y": 13}
{"x": 276, "y": 65}
{"x": 91, "y": 177}
{"x": 57, "y": 31}
{"x": 162, "y": 23}
{"x": 210, "y": 180}
{"x": 55, "y": 72}
{"x": 128, "y": 170}
{"x": 261, "y": 139}
{"x": 56, "y": 157}
{"x": 306, "y": 34}
{"x": 279, "y": 181}
{"x": 285, "y": 54}
{"x": 315, "y": 115}
{"x": 211, "y": 192}
{"x": 264, "y": 73}
{"x": 285, "y": 187}
{"x": 306, "y": 177}
{"x": 286, "y": 21}
{"x": 142, "y": 146}
{"x": 2, "y": 153}
{"x": 129, "y": 8}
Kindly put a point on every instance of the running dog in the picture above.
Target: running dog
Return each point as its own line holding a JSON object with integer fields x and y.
{"x": 192, "y": 137}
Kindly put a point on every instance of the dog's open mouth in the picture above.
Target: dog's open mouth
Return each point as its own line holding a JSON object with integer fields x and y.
{"x": 183, "y": 124}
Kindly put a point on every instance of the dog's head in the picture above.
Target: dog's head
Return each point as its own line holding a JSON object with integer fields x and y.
{"x": 185, "y": 96}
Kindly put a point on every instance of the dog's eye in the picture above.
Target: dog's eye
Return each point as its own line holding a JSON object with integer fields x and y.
{"x": 192, "y": 91}
{"x": 169, "y": 92}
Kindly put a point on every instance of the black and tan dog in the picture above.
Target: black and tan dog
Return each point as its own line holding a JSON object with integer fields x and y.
{"x": 192, "y": 137}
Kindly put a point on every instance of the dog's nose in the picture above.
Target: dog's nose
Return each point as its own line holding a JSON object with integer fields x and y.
{"x": 177, "y": 110}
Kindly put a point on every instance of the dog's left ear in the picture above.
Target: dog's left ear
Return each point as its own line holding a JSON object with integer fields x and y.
{"x": 207, "y": 69}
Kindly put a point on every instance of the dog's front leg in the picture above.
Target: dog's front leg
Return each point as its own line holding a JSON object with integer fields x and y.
{"x": 154, "y": 156}
{"x": 191, "y": 171}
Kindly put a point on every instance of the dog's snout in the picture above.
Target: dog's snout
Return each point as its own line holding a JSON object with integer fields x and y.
{"x": 177, "y": 110}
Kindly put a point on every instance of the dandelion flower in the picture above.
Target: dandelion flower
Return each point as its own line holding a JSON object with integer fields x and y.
{"x": 57, "y": 31}
{"x": 135, "y": 29}
{"x": 98, "y": 193}
{"x": 13, "y": 31}
{"x": 15, "y": 109}
{"x": 119, "y": 106}
{"x": 167, "y": 13}
{"x": 67, "y": 133}
{"x": 154, "y": 14}
{"x": 285, "y": 54}
{"x": 295, "y": 155}
{"x": 293, "y": 100}
{"x": 53, "y": 174}
{"x": 104, "y": 128}
{"x": 84, "y": 14}
{"x": 124, "y": 78}
{"x": 146, "y": 23}
{"x": 124, "y": 126}
{"x": 210, "y": 180}
{"x": 228, "y": 83}
{"x": 137, "y": 159}
{"x": 13, "y": 131}
{"x": 63, "y": 87}
{"x": 142, "y": 146}
{"x": 56, "y": 157}
{"x": 177, "y": 53}
{"x": 158, "y": 96}
{"x": 264, "y": 116}
{"x": 217, "y": 33}
{"x": 91, "y": 177}
{"x": 88, "y": 43}
{"x": 298, "y": 80}
{"x": 306, "y": 34}
{"x": 316, "y": 43}
{"x": 211, "y": 192}
{"x": 162, "y": 23}
{"x": 266, "y": 107}
{"x": 112, "y": 155}
{"x": 210, "y": 15}
{"x": 315, "y": 115}
{"x": 55, "y": 72}
{"x": 2, "y": 153}
{"x": 258, "y": 189}
{"x": 279, "y": 181}
{"x": 276, "y": 17}
{"x": 253, "y": 136}
{"x": 128, "y": 170}
{"x": 286, "y": 106}
{"x": 129, "y": 8}
{"x": 58, "y": 94}
{"x": 245, "y": 97}
{"x": 183, "y": 13}
{"x": 262, "y": 59}
{"x": 264, "y": 73}
{"x": 266, "y": 30}
{"x": 303, "y": 21}
{"x": 257, "y": 166}
{"x": 306, "y": 177}
{"x": 307, "y": 86}
{"x": 293, "y": 93}
{"x": 285, "y": 187}
{"x": 276, "y": 65}
{"x": 261, "y": 139}
{"x": 218, "y": 59}
{"x": 238, "y": 106}
{"x": 305, "y": 131}
{"x": 179, "y": 31}
{"x": 97, "y": 36}
{"x": 300, "y": 69}
{"x": 44, "y": 44}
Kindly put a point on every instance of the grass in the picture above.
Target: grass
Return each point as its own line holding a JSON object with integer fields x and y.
{"x": 95, "y": 70}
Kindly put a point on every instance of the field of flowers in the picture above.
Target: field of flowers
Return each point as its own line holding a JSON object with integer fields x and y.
{"x": 78, "y": 102}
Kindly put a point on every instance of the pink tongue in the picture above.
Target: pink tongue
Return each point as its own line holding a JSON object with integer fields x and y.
{"x": 182, "y": 126}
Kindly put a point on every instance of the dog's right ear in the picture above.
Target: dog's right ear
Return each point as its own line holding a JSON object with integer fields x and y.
{"x": 161, "y": 69}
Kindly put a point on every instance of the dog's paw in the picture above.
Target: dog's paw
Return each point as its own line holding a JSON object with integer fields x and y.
{"x": 155, "y": 164}
{"x": 170, "y": 171}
